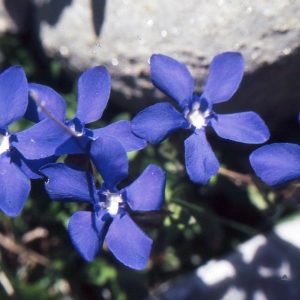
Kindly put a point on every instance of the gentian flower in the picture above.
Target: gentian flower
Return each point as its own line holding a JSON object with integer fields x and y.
{"x": 109, "y": 219}
{"x": 54, "y": 135}
{"x": 277, "y": 164}
{"x": 15, "y": 185}
{"x": 159, "y": 121}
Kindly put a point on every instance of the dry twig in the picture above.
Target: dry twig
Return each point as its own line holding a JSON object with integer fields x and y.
{"x": 9, "y": 244}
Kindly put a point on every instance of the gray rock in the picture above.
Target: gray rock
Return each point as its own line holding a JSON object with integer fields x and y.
{"x": 14, "y": 16}
{"x": 265, "y": 267}
{"x": 265, "y": 32}
{"x": 192, "y": 32}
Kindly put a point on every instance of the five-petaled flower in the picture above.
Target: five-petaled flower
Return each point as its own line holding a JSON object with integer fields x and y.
{"x": 159, "y": 121}
{"x": 55, "y": 135}
{"x": 277, "y": 164}
{"x": 23, "y": 153}
{"x": 109, "y": 218}
{"x": 15, "y": 185}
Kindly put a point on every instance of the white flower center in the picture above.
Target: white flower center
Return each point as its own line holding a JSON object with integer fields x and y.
{"x": 4, "y": 143}
{"x": 112, "y": 203}
{"x": 73, "y": 128}
{"x": 196, "y": 116}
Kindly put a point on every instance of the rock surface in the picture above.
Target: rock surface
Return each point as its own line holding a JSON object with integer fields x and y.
{"x": 265, "y": 267}
{"x": 192, "y": 32}
{"x": 122, "y": 34}
{"x": 265, "y": 32}
{"x": 14, "y": 16}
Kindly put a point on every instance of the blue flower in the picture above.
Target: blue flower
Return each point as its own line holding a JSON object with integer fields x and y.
{"x": 54, "y": 135}
{"x": 277, "y": 164}
{"x": 159, "y": 121}
{"x": 109, "y": 218}
{"x": 15, "y": 185}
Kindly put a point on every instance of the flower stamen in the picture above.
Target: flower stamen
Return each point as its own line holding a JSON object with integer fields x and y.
{"x": 4, "y": 142}
{"x": 112, "y": 203}
{"x": 197, "y": 117}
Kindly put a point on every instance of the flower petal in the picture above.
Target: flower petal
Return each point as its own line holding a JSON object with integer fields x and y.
{"x": 13, "y": 95}
{"x": 73, "y": 145}
{"x": 31, "y": 167}
{"x": 122, "y": 132}
{"x": 14, "y": 187}
{"x": 78, "y": 140}
{"x": 225, "y": 74}
{"x": 69, "y": 183}
{"x": 201, "y": 162}
{"x": 277, "y": 164}
{"x": 40, "y": 140}
{"x": 129, "y": 244}
{"x": 245, "y": 127}
{"x": 50, "y": 100}
{"x": 147, "y": 192}
{"x": 172, "y": 78}
{"x": 87, "y": 232}
{"x": 93, "y": 94}
{"x": 157, "y": 122}
{"x": 110, "y": 159}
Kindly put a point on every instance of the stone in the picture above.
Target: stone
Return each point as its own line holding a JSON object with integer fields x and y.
{"x": 14, "y": 16}
{"x": 265, "y": 267}
{"x": 122, "y": 35}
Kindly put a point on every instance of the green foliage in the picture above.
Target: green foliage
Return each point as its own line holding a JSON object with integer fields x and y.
{"x": 15, "y": 54}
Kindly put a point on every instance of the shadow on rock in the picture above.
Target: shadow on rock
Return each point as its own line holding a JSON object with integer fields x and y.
{"x": 265, "y": 267}
{"x": 51, "y": 10}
